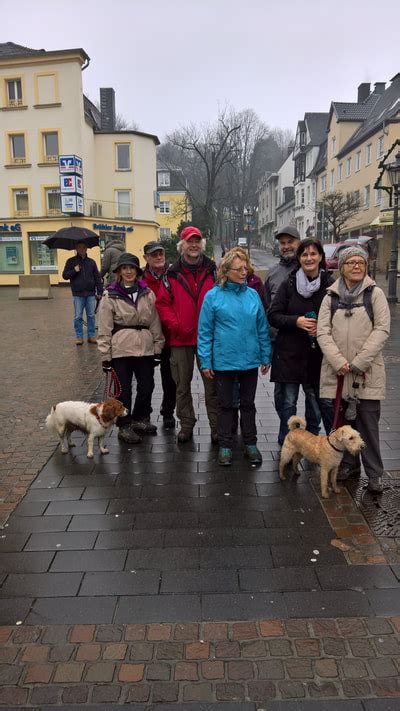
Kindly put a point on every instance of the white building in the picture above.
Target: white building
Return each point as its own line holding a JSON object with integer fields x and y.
{"x": 310, "y": 135}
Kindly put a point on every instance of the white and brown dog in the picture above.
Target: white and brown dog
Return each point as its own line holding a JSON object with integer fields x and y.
{"x": 325, "y": 451}
{"x": 91, "y": 418}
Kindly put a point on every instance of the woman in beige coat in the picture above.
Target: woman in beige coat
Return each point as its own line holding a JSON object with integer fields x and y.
{"x": 130, "y": 339}
{"x": 353, "y": 325}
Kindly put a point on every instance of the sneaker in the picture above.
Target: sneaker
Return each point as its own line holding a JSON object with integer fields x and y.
{"x": 224, "y": 456}
{"x": 184, "y": 436}
{"x": 143, "y": 426}
{"x": 92, "y": 339}
{"x": 349, "y": 472}
{"x": 126, "y": 434}
{"x": 253, "y": 454}
{"x": 375, "y": 485}
{"x": 214, "y": 437}
{"x": 169, "y": 422}
{"x": 79, "y": 342}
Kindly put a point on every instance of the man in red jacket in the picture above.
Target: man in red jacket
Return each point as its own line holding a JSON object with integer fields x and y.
{"x": 156, "y": 267}
{"x": 178, "y": 303}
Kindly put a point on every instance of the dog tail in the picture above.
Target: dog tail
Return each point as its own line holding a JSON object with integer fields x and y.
{"x": 50, "y": 420}
{"x": 295, "y": 421}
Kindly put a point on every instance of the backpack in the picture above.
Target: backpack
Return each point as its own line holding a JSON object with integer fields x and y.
{"x": 367, "y": 303}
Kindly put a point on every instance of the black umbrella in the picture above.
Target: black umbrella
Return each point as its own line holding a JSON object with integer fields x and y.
{"x": 67, "y": 238}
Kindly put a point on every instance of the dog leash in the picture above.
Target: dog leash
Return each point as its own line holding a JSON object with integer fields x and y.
{"x": 337, "y": 408}
{"x": 112, "y": 388}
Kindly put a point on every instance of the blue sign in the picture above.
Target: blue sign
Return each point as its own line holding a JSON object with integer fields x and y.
{"x": 70, "y": 164}
{"x": 111, "y": 228}
{"x": 11, "y": 228}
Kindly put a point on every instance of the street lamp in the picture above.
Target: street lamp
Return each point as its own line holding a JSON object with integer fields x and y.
{"x": 393, "y": 170}
{"x": 247, "y": 217}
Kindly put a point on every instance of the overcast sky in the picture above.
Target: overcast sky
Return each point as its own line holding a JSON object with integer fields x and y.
{"x": 172, "y": 62}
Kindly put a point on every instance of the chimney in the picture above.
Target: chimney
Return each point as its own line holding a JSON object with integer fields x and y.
{"x": 379, "y": 87}
{"x": 107, "y": 109}
{"x": 363, "y": 92}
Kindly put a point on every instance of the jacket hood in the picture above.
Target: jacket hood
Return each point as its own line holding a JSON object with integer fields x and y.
{"x": 366, "y": 283}
{"x": 116, "y": 288}
{"x": 117, "y": 244}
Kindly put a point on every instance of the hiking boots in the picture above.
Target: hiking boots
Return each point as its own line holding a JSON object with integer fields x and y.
{"x": 169, "y": 422}
{"x": 375, "y": 486}
{"x": 92, "y": 339}
{"x": 126, "y": 434}
{"x": 144, "y": 426}
{"x": 79, "y": 342}
{"x": 224, "y": 456}
{"x": 184, "y": 436}
{"x": 253, "y": 454}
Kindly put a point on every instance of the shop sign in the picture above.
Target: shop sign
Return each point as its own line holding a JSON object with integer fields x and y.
{"x": 71, "y": 184}
{"x": 112, "y": 228}
{"x": 10, "y": 228}
{"x": 70, "y": 164}
{"x": 10, "y": 238}
{"x": 72, "y": 204}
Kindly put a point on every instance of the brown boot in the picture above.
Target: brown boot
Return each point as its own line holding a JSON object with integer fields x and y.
{"x": 184, "y": 436}
{"x": 79, "y": 342}
{"x": 92, "y": 340}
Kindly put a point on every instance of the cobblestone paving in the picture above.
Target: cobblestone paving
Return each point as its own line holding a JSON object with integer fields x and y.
{"x": 154, "y": 579}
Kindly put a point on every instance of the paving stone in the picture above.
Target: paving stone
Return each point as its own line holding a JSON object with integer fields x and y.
{"x": 106, "y": 694}
{"x": 299, "y": 668}
{"x": 75, "y": 695}
{"x": 354, "y": 668}
{"x": 9, "y": 674}
{"x": 292, "y": 689}
{"x": 130, "y": 673}
{"x": 164, "y": 691}
{"x": 253, "y": 649}
{"x": 243, "y": 606}
{"x": 382, "y": 667}
{"x": 68, "y": 672}
{"x": 187, "y": 671}
{"x": 199, "y": 581}
{"x": 378, "y": 625}
{"x": 23, "y": 562}
{"x": 198, "y": 692}
{"x": 384, "y": 602}
{"x": 73, "y": 609}
{"x": 86, "y": 561}
{"x": 356, "y": 687}
{"x": 318, "y": 604}
{"x": 230, "y": 692}
{"x": 227, "y": 649}
{"x": 215, "y": 631}
{"x": 170, "y": 650}
{"x": 212, "y": 670}
{"x": 261, "y": 690}
{"x": 387, "y": 645}
{"x": 271, "y": 669}
{"x": 356, "y": 576}
{"x": 142, "y": 651}
{"x": 280, "y": 648}
{"x": 41, "y": 585}
{"x": 326, "y": 668}
{"x": 187, "y": 631}
{"x": 361, "y": 648}
{"x": 155, "y": 608}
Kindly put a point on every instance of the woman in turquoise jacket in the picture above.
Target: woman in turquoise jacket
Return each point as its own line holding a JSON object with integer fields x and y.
{"x": 233, "y": 341}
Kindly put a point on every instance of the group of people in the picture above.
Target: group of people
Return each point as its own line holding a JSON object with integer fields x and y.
{"x": 302, "y": 325}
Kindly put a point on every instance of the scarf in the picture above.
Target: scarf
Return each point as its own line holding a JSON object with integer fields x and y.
{"x": 192, "y": 267}
{"x": 304, "y": 286}
{"x": 348, "y": 296}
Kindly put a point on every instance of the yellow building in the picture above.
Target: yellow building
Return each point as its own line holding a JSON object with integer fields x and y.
{"x": 359, "y": 134}
{"x": 44, "y": 114}
{"x": 174, "y": 201}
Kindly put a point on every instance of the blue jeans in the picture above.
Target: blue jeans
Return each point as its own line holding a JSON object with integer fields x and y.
{"x": 81, "y": 304}
{"x": 315, "y": 408}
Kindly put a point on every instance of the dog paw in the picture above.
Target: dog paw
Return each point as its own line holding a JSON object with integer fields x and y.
{"x": 90, "y": 455}
{"x": 104, "y": 450}
{"x": 324, "y": 494}
{"x": 336, "y": 490}
{"x": 282, "y": 477}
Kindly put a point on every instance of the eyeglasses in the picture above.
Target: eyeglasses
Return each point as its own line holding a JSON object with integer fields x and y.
{"x": 239, "y": 269}
{"x": 352, "y": 265}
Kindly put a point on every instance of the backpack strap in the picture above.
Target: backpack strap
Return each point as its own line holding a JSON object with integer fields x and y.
{"x": 367, "y": 303}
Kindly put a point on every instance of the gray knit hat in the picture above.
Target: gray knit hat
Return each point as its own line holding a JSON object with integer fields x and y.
{"x": 355, "y": 251}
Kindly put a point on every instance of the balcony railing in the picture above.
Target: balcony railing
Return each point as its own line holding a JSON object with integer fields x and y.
{"x": 53, "y": 212}
{"x": 18, "y": 161}
{"x": 14, "y": 102}
{"x": 21, "y": 213}
{"x": 51, "y": 159}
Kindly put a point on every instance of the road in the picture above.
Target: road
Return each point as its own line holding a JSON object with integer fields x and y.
{"x": 260, "y": 258}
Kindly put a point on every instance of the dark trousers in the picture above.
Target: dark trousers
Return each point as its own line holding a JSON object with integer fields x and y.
{"x": 143, "y": 370}
{"x": 367, "y": 424}
{"x": 225, "y": 382}
{"x": 168, "y": 385}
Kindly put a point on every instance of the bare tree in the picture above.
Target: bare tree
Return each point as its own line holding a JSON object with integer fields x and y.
{"x": 339, "y": 208}
{"x": 122, "y": 124}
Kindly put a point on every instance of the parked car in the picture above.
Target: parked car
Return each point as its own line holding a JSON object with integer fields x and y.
{"x": 242, "y": 242}
{"x": 332, "y": 251}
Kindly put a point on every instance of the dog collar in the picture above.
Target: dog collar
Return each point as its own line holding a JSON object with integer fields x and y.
{"x": 98, "y": 418}
{"x": 333, "y": 446}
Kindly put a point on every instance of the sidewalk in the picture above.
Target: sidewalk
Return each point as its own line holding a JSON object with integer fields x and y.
{"x": 153, "y": 578}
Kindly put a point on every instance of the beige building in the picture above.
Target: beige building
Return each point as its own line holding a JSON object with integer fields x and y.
{"x": 359, "y": 135}
{"x": 43, "y": 114}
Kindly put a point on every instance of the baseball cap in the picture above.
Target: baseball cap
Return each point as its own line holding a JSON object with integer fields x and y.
{"x": 189, "y": 232}
{"x": 151, "y": 247}
{"x": 289, "y": 230}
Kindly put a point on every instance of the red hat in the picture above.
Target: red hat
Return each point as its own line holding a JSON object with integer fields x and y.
{"x": 189, "y": 232}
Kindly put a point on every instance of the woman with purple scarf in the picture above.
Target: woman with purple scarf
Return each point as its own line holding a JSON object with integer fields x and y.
{"x": 130, "y": 341}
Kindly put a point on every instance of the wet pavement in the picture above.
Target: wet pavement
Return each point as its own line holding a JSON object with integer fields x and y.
{"x": 159, "y": 542}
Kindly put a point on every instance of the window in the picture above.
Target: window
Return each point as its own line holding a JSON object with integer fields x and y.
{"x": 348, "y": 167}
{"x": 323, "y": 183}
{"x": 53, "y": 201}
{"x": 21, "y": 202}
{"x": 14, "y": 92}
{"x": 11, "y": 255}
{"x": 368, "y": 154}
{"x": 340, "y": 172}
{"x": 123, "y": 203}
{"x": 302, "y": 196}
{"x": 165, "y": 232}
{"x": 367, "y": 193}
{"x": 333, "y": 147}
{"x": 308, "y": 194}
{"x": 357, "y": 196}
{"x": 358, "y": 160}
{"x": 313, "y": 191}
{"x": 165, "y": 208}
{"x": 17, "y": 148}
{"x": 378, "y": 196}
{"x": 332, "y": 180}
{"x": 50, "y": 147}
{"x": 123, "y": 156}
{"x": 381, "y": 146}
{"x": 164, "y": 179}
{"x": 42, "y": 258}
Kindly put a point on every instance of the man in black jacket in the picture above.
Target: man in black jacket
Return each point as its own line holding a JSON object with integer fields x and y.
{"x": 86, "y": 287}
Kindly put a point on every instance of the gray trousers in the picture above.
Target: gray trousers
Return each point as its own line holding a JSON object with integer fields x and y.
{"x": 182, "y": 365}
{"x": 367, "y": 424}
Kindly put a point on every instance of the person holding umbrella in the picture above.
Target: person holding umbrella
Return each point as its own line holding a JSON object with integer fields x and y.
{"x": 86, "y": 287}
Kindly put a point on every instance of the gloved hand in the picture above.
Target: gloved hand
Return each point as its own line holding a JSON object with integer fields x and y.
{"x": 157, "y": 359}
{"x": 107, "y": 366}
{"x": 356, "y": 370}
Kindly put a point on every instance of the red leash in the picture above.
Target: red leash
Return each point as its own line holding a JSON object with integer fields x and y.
{"x": 337, "y": 408}
{"x": 112, "y": 388}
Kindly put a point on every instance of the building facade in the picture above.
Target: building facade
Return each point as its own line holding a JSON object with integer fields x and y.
{"x": 310, "y": 135}
{"x": 43, "y": 114}
{"x": 174, "y": 205}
